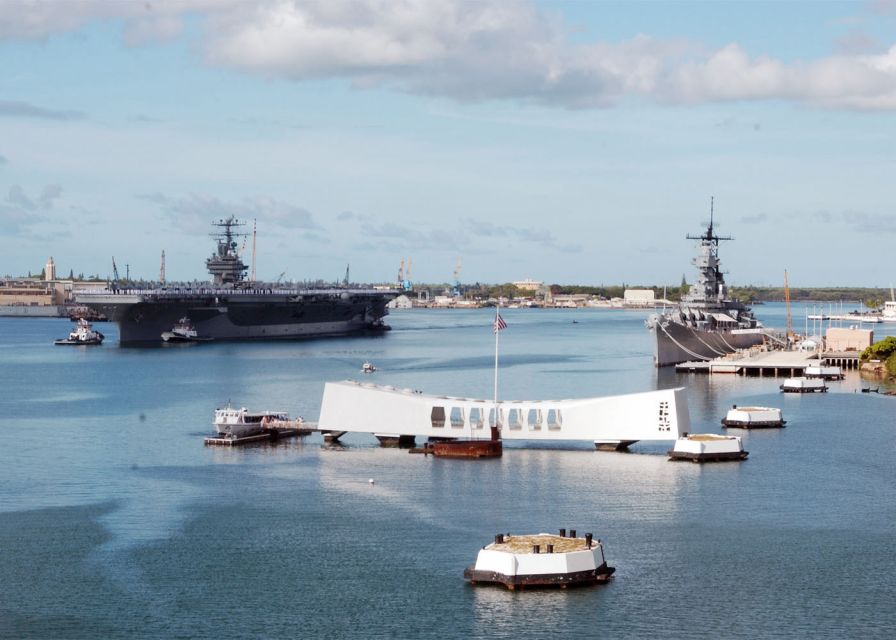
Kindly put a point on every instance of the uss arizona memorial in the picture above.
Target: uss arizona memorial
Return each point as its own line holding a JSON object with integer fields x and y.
{"x": 611, "y": 422}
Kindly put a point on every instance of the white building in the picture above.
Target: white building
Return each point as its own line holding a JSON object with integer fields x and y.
{"x": 638, "y": 298}
{"x": 528, "y": 285}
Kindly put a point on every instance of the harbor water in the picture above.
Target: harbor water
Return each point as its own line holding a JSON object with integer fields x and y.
{"x": 116, "y": 521}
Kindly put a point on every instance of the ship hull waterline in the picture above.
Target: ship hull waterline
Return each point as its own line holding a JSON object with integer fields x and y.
{"x": 145, "y": 322}
{"x": 675, "y": 343}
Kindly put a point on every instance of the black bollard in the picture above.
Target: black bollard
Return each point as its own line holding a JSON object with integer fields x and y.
{"x": 588, "y": 538}
{"x": 562, "y": 533}
{"x": 499, "y": 538}
{"x": 536, "y": 548}
{"x": 550, "y": 548}
{"x": 572, "y": 533}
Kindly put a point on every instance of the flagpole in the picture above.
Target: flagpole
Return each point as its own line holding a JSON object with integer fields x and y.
{"x": 497, "y": 334}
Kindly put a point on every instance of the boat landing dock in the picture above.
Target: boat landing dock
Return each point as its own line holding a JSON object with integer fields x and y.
{"x": 271, "y": 435}
{"x": 770, "y": 363}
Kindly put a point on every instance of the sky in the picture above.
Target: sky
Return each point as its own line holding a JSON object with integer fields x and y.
{"x": 569, "y": 142}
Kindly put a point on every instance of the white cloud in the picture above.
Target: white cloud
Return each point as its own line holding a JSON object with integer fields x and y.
{"x": 20, "y": 212}
{"x": 194, "y": 212}
{"x": 19, "y": 109}
{"x": 484, "y": 50}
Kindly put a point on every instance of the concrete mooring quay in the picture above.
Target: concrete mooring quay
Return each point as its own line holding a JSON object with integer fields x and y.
{"x": 771, "y": 363}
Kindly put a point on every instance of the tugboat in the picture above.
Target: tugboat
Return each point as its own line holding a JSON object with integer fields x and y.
{"x": 183, "y": 331}
{"x": 83, "y": 334}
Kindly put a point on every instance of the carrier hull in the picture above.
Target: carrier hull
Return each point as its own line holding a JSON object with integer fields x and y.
{"x": 143, "y": 316}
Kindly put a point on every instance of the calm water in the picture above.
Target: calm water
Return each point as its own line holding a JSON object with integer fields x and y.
{"x": 116, "y": 521}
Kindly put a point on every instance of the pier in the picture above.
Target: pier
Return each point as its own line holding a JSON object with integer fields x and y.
{"x": 771, "y": 363}
{"x": 268, "y": 435}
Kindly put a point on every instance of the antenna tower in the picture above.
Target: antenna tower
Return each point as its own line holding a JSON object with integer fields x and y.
{"x": 254, "y": 223}
{"x": 787, "y": 302}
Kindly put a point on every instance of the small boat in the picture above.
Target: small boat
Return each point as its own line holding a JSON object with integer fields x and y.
{"x": 183, "y": 331}
{"x": 753, "y": 418}
{"x": 804, "y": 385}
{"x": 708, "y": 447}
{"x": 541, "y": 560}
{"x": 368, "y": 367}
{"x": 238, "y": 423}
{"x": 83, "y": 334}
{"x": 825, "y": 373}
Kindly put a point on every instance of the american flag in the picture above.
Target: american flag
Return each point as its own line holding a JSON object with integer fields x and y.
{"x": 499, "y": 323}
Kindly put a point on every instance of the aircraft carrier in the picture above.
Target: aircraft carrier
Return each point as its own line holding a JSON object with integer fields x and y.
{"x": 232, "y": 308}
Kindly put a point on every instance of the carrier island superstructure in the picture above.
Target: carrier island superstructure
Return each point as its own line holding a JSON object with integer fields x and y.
{"x": 232, "y": 308}
{"x": 706, "y": 323}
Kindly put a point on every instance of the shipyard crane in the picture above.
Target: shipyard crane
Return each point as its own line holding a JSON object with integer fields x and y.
{"x": 345, "y": 280}
{"x": 280, "y": 277}
{"x": 115, "y": 277}
{"x": 404, "y": 277}
{"x": 162, "y": 269}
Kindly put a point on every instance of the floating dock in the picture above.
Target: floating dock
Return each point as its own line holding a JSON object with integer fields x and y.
{"x": 768, "y": 364}
{"x": 269, "y": 435}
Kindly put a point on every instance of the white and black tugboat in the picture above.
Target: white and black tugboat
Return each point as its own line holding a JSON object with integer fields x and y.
{"x": 706, "y": 323}
{"x": 83, "y": 334}
{"x": 183, "y": 331}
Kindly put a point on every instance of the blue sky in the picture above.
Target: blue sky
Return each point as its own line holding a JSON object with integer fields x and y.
{"x": 570, "y": 142}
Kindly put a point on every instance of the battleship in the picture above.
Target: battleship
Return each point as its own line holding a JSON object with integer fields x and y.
{"x": 231, "y": 307}
{"x": 706, "y": 324}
